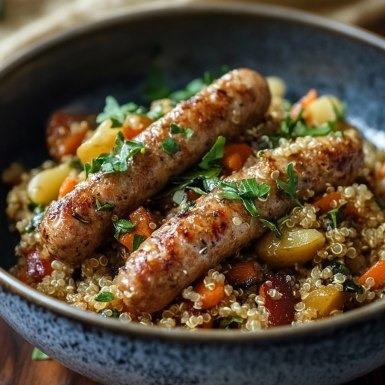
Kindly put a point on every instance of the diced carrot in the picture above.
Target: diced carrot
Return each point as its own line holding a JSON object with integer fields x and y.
{"x": 235, "y": 156}
{"x": 67, "y": 186}
{"x": 244, "y": 273}
{"x": 325, "y": 203}
{"x": 37, "y": 267}
{"x": 134, "y": 125}
{"x": 377, "y": 273}
{"x": 279, "y": 300}
{"x": 303, "y": 103}
{"x": 210, "y": 298}
{"x": 143, "y": 220}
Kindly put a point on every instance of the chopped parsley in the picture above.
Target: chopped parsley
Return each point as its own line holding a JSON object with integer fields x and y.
{"x": 271, "y": 226}
{"x": 117, "y": 160}
{"x": 38, "y": 355}
{"x": 104, "y": 296}
{"x": 37, "y": 216}
{"x": 214, "y": 156}
{"x": 245, "y": 190}
{"x": 230, "y": 322}
{"x": 334, "y": 217}
{"x": 184, "y": 131}
{"x": 137, "y": 241}
{"x": 290, "y": 186}
{"x": 103, "y": 206}
{"x": 118, "y": 113}
{"x": 351, "y": 287}
{"x": 170, "y": 146}
{"x": 122, "y": 226}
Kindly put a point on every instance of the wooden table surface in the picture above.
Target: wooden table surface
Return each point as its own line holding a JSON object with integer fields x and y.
{"x": 17, "y": 368}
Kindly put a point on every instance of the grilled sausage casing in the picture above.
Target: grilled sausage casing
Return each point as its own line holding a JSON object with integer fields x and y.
{"x": 72, "y": 229}
{"x": 189, "y": 244}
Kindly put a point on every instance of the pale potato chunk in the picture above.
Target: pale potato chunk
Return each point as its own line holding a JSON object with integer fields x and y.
{"x": 277, "y": 86}
{"x": 322, "y": 110}
{"x": 324, "y": 300}
{"x": 44, "y": 187}
{"x": 295, "y": 246}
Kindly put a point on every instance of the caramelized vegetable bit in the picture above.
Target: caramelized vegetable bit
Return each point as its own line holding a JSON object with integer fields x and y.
{"x": 144, "y": 226}
{"x": 328, "y": 202}
{"x": 67, "y": 186}
{"x": 244, "y": 273}
{"x": 324, "y": 300}
{"x": 65, "y": 133}
{"x": 277, "y": 293}
{"x": 235, "y": 156}
{"x": 37, "y": 267}
{"x": 374, "y": 276}
{"x": 294, "y": 246}
{"x": 210, "y": 298}
{"x": 303, "y": 103}
{"x": 134, "y": 125}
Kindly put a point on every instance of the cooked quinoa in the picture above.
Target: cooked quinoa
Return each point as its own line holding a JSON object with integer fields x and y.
{"x": 350, "y": 233}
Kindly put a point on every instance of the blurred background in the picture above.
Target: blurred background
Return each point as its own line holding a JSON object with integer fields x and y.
{"x": 23, "y": 22}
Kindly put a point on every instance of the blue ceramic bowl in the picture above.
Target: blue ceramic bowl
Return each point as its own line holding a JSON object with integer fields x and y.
{"x": 112, "y": 57}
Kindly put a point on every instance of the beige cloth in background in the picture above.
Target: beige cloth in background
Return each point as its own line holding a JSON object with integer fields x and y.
{"x": 26, "y": 22}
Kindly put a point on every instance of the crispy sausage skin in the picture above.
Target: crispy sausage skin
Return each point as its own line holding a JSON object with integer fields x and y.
{"x": 227, "y": 107}
{"x": 188, "y": 245}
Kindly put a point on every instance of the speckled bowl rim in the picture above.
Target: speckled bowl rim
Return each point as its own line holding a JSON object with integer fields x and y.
{"x": 278, "y": 334}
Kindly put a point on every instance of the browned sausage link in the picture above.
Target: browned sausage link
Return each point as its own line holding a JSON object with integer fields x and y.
{"x": 72, "y": 229}
{"x": 188, "y": 245}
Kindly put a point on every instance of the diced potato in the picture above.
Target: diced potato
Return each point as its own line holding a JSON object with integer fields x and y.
{"x": 322, "y": 110}
{"x": 295, "y": 246}
{"x": 101, "y": 142}
{"x": 324, "y": 300}
{"x": 277, "y": 86}
{"x": 44, "y": 187}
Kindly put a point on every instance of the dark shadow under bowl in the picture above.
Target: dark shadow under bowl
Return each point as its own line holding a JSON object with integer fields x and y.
{"x": 113, "y": 57}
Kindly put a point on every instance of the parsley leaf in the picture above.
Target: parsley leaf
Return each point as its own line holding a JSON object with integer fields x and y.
{"x": 38, "y": 355}
{"x": 351, "y": 287}
{"x": 290, "y": 187}
{"x": 137, "y": 241}
{"x": 170, "y": 146}
{"x": 117, "y": 160}
{"x": 334, "y": 217}
{"x": 271, "y": 226}
{"x": 37, "y": 217}
{"x": 122, "y": 226}
{"x": 246, "y": 190}
{"x": 214, "y": 155}
{"x": 104, "y": 296}
{"x": 186, "y": 132}
{"x": 118, "y": 113}
{"x": 230, "y": 322}
{"x": 106, "y": 206}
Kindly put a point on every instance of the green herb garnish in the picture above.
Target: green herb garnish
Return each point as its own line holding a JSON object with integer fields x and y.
{"x": 214, "y": 155}
{"x": 122, "y": 226}
{"x": 170, "y": 146}
{"x": 271, "y": 226}
{"x": 37, "y": 216}
{"x": 230, "y": 322}
{"x": 156, "y": 87}
{"x": 137, "y": 241}
{"x": 351, "y": 287}
{"x": 334, "y": 217}
{"x": 117, "y": 160}
{"x": 338, "y": 267}
{"x": 246, "y": 190}
{"x": 290, "y": 187}
{"x": 185, "y": 131}
{"x": 118, "y": 113}
{"x": 38, "y": 355}
{"x": 104, "y": 296}
{"x": 103, "y": 206}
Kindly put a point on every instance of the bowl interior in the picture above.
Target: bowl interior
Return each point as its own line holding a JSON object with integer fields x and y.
{"x": 114, "y": 59}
